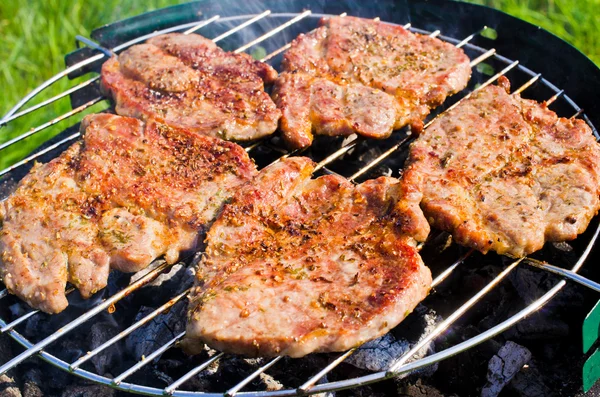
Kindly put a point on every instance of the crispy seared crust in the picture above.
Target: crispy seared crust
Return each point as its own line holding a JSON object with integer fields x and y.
{"x": 126, "y": 195}
{"x": 506, "y": 174}
{"x": 354, "y": 75}
{"x": 186, "y": 81}
{"x": 296, "y": 265}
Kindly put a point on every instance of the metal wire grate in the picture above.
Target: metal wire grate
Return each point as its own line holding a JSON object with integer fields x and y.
{"x": 403, "y": 365}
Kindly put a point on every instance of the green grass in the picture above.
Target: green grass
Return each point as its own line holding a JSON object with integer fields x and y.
{"x": 576, "y": 21}
{"x": 37, "y": 34}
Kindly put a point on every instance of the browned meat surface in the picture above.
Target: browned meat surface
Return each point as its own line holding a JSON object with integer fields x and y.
{"x": 186, "y": 81}
{"x": 125, "y": 195}
{"x": 354, "y": 75}
{"x": 506, "y": 174}
{"x": 296, "y": 265}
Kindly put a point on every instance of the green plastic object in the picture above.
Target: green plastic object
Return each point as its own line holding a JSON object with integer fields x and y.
{"x": 591, "y": 371}
{"x": 591, "y": 368}
{"x": 591, "y": 327}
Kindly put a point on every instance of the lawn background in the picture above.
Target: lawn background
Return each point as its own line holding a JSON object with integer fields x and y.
{"x": 36, "y": 34}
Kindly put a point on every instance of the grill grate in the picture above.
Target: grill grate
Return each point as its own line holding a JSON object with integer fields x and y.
{"x": 310, "y": 386}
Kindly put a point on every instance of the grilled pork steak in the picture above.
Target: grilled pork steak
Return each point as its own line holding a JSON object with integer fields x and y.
{"x": 296, "y": 265}
{"x": 125, "y": 195}
{"x": 187, "y": 81}
{"x": 353, "y": 75}
{"x": 506, "y": 174}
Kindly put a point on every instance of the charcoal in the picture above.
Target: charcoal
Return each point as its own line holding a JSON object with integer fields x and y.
{"x": 100, "y": 333}
{"x": 6, "y": 351}
{"x": 88, "y": 391}
{"x": 503, "y": 366}
{"x": 8, "y": 387}
{"x": 226, "y": 372}
{"x": 321, "y": 381}
{"x": 169, "y": 365}
{"x": 539, "y": 326}
{"x": 157, "y": 332}
{"x": 32, "y": 381}
{"x": 34, "y": 326}
{"x": 292, "y": 372}
{"x": 31, "y": 389}
{"x": 116, "y": 282}
{"x": 179, "y": 278}
{"x": 459, "y": 374}
{"x": 531, "y": 283}
{"x": 365, "y": 391}
{"x": 562, "y": 246}
{"x": 162, "y": 377}
{"x": 71, "y": 349}
{"x": 528, "y": 382}
{"x": 418, "y": 389}
{"x": 380, "y": 354}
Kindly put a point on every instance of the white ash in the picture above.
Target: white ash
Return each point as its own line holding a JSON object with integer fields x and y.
{"x": 379, "y": 354}
{"x": 562, "y": 246}
{"x": 503, "y": 366}
{"x": 8, "y": 387}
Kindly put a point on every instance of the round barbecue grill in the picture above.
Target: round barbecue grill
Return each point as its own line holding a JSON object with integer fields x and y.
{"x": 539, "y": 65}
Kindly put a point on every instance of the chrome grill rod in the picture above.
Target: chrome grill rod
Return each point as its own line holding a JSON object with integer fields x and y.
{"x": 51, "y": 122}
{"x": 49, "y": 358}
{"x": 456, "y": 314}
{"x": 121, "y": 47}
{"x": 40, "y": 153}
{"x": 83, "y": 318}
{"x": 145, "y": 320}
{"x": 86, "y": 83}
{"x": 397, "y": 146}
{"x": 463, "y": 346}
{"x": 49, "y": 101}
{"x": 93, "y": 59}
{"x": 273, "y": 31}
{"x": 433, "y": 34}
{"x": 316, "y": 388}
{"x": 24, "y": 317}
{"x": 39, "y": 346}
{"x": 343, "y": 150}
{"x": 234, "y": 390}
{"x": 402, "y": 367}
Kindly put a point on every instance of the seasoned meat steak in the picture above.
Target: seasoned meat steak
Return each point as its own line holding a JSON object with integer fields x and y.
{"x": 354, "y": 75}
{"x": 506, "y": 174}
{"x": 296, "y": 265}
{"x": 187, "y": 81}
{"x": 125, "y": 195}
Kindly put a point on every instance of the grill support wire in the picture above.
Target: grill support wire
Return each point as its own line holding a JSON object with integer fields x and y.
{"x": 400, "y": 366}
